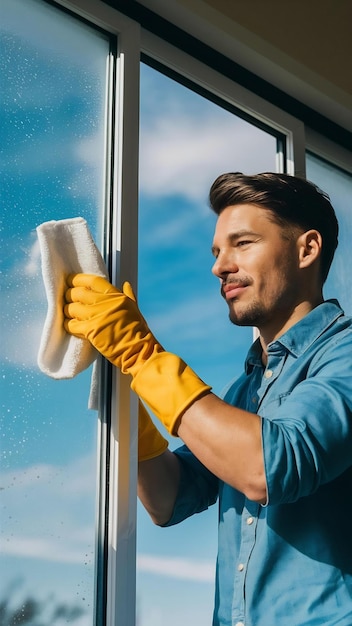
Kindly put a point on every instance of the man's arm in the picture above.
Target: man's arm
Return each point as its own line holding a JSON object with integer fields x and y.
{"x": 158, "y": 481}
{"x": 228, "y": 441}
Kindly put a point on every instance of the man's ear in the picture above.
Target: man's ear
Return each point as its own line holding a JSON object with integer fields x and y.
{"x": 309, "y": 247}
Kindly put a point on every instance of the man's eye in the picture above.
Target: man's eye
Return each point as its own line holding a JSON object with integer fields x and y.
{"x": 243, "y": 242}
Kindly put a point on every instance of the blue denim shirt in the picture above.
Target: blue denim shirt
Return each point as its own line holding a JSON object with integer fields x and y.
{"x": 288, "y": 563}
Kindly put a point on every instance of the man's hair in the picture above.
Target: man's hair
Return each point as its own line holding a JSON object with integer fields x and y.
{"x": 293, "y": 202}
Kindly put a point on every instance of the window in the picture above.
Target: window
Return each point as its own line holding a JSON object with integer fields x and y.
{"x": 61, "y": 136}
{"x": 70, "y": 110}
{"x": 186, "y": 140}
{"x": 338, "y": 184}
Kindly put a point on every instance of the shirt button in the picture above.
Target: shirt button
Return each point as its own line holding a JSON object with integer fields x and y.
{"x": 240, "y": 567}
{"x": 250, "y": 520}
{"x": 254, "y": 400}
{"x": 268, "y": 373}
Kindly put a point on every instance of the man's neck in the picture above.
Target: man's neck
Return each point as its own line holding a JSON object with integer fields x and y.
{"x": 271, "y": 332}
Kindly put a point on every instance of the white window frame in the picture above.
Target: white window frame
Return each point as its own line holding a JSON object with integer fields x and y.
{"x": 123, "y": 437}
{"x": 328, "y": 150}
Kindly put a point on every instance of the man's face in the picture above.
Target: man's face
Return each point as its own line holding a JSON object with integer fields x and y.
{"x": 258, "y": 267}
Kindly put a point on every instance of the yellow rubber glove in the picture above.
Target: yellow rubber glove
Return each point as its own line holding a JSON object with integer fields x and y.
{"x": 111, "y": 321}
{"x": 151, "y": 443}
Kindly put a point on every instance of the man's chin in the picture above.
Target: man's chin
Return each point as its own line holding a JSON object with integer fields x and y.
{"x": 244, "y": 318}
{"x": 238, "y": 321}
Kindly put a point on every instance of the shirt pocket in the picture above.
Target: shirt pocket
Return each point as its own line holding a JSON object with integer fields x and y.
{"x": 270, "y": 405}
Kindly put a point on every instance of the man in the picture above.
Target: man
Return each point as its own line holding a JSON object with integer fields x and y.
{"x": 277, "y": 450}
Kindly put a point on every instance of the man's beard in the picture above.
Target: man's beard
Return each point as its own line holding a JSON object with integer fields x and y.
{"x": 257, "y": 314}
{"x": 252, "y": 315}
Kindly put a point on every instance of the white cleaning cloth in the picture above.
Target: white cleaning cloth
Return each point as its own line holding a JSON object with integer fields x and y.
{"x": 66, "y": 247}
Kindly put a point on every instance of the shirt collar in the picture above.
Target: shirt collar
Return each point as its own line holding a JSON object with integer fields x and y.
{"x": 300, "y": 336}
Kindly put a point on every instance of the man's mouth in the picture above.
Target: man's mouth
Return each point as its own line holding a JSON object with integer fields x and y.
{"x": 233, "y": 289}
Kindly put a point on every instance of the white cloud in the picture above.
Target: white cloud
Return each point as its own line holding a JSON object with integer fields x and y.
{"x": 171, "y": 229}
{"x": 48, "y": 512}
{"x": 50, "y": 31}
{"x": 47, "y": 520}
{"x": 21, "y": 341}
{"x": 32, "y": 263}
{"x": 39, "y": 548}
{"x": 185, "y": 154}
{"x": 183, "y": 321}
{"x": 23, "y": 306}
{"x": 198, "y": 570}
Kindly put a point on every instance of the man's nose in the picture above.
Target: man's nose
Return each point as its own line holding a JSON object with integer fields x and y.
{"x": 224, "y": 264}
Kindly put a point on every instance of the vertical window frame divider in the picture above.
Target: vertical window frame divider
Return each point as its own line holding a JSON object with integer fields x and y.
{"x": 121, "y": 589}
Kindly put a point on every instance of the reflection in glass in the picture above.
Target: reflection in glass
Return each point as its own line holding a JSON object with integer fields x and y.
{"x": 338, "y": 184}
{"x": 52, "y": 138}
{"x": 186, "y": 142}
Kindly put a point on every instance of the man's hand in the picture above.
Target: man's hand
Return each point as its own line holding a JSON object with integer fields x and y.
{"x": 111, "y": 321}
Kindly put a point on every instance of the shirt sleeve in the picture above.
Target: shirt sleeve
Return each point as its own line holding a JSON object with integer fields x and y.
{"x": 198, "y": 487}
{"x": 307, "y": 434}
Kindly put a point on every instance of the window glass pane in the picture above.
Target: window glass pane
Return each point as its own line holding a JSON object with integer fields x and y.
{"x": 53, "y": 84}
{"x": 338, "y": 184}
{"x": 186, "y": 142}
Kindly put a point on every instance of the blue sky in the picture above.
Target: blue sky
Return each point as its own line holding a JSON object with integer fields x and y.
{"x": 52, "y": 136}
